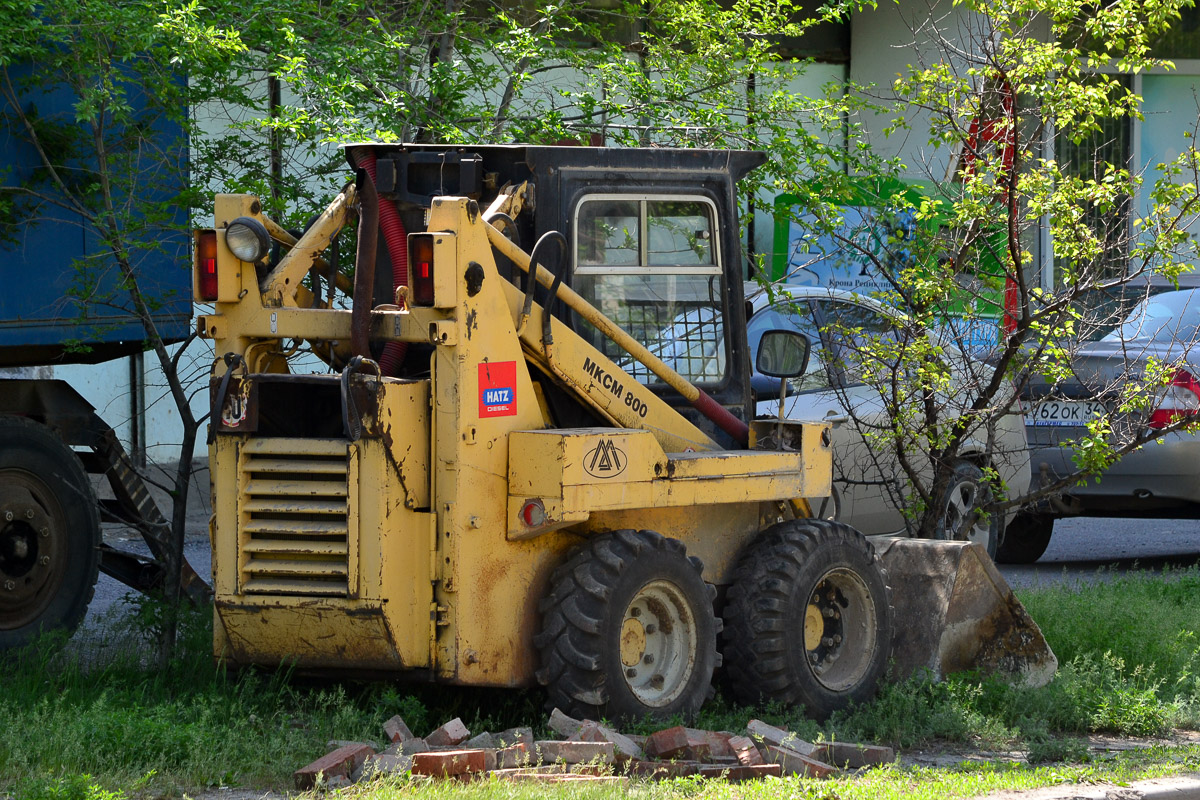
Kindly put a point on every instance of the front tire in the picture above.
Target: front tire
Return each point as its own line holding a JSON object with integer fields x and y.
{"x": 628, "y": 630}
{"x": 961, "y": 518}
{"x": 808, "y": 619}
{"x": 1025, "y": 539}
{"x": 49, "y": 534}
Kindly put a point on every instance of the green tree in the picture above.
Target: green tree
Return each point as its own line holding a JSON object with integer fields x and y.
{"x": 991, "y": 82}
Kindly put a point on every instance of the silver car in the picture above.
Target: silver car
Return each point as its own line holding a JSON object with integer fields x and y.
{"x": 1162, "y": 479}
{"x": 867, "y": 482}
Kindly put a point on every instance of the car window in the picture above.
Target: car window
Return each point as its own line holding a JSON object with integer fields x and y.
{"x": 856, "y": 333}
{"x": 1166, "y": 317}
{"x": 793, "y": 316}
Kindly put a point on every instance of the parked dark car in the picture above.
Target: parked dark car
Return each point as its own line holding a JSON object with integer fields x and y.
{"x": 1162, "y": 479}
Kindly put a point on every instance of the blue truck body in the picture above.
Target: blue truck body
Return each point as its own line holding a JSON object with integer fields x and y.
{"x": 43, "y": 319}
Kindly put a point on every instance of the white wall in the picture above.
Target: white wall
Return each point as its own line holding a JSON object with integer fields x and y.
{"x": 884, "y": 42}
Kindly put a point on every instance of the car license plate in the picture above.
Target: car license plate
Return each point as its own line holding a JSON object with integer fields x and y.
{"x": 1064, "y": 412}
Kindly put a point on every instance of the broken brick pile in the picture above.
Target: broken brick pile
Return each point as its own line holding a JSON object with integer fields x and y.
{"x": 590, "y": 752}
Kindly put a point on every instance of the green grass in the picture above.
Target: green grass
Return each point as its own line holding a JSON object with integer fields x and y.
{"x": 1130, "y": 664}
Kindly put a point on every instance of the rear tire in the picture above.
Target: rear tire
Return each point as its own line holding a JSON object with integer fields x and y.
{"x": 49, "y": 548}
{"x": 967, "y": 494}
{"x": 628, "y": 630}
{"x": 808, "y": 619}
{"x": 1025, "y": 539}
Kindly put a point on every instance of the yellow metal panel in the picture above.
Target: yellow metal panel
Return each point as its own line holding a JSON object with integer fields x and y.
{"x": 445, "y": 281}
{"x": 339, "y": 635}
{"x": 404, "y": 422}
{"x": 599, "y": 456}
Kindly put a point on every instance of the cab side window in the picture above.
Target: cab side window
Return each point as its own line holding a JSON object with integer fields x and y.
{"x": 860, "y": 338}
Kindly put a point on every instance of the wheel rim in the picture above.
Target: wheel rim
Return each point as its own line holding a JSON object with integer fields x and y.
{"x": 32, "y": 563}
{"x": 658, "y": 643}
{"x": 963, "y": 501}
{"x": 840, "y": 630}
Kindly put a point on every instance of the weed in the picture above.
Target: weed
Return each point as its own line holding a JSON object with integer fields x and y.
{"x": 72, "y": 787}
{"x": 1046, "y": 749}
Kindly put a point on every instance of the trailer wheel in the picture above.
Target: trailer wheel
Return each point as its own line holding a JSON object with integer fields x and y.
{"x": 628, "y": 630}
{"x": 967, "y": 493}
{"x": 808, "y": 619}
{"x": 1025, "y": 539}
{"x": 49, "y": 534}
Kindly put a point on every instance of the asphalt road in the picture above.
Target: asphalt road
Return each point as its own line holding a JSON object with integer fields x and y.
{"x": 1081, "y": 550}
{"x": 1093, "y": 548}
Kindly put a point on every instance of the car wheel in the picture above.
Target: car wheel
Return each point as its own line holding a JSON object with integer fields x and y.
{"x": 1025, "y": 539}
{"x": 808, "y": 619}
{"x": 628, "y": 630}
{"x": 960, "y": 518}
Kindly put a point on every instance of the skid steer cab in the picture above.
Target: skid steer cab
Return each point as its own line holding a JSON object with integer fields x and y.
{"x": 508, "y": 442}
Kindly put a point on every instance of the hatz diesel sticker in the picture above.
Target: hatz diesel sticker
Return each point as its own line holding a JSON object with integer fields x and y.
{"x": 605, "y": 460}
{"x": 498, "y": 389}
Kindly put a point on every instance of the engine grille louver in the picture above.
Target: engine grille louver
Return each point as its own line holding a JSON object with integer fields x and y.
{"x": 295, "y": 514}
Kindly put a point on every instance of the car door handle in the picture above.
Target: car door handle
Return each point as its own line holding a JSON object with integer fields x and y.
{"x": 835, "y": 418}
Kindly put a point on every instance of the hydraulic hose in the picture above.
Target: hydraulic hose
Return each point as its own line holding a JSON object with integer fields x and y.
{"x": 396, "y": 239}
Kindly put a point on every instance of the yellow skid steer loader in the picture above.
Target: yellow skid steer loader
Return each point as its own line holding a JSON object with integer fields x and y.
{"x": 512, "y": 446}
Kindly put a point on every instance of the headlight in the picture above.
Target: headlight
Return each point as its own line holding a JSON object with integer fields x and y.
{"x": 247, "y": 239}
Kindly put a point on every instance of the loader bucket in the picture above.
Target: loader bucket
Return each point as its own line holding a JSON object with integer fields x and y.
{"x": 955, "y": 612}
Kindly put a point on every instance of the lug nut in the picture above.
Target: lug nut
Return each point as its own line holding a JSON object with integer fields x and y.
{"x": 648, "y": 658}
{"x": 44, "y": 560}
{"x": 44, "y": 532}
{"x": 651, "y": 628}
{"x": 827, "y": 642}
{"x": 631, "y": 673}
{"x": 813, "y": 658}
{"x": 828, "y": 612}
{"x": 635, "y": 612}
{"x": 8, "y": 517}
{"x": 837, "y": 638}
{"x": 29, "y": 513}
{"x": 9, "y": 585}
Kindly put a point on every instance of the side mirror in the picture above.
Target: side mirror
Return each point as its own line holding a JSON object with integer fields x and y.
{"x": 782, "y": 354}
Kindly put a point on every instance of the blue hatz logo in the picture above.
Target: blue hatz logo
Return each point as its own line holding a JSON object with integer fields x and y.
{"x": 497, "y": 397}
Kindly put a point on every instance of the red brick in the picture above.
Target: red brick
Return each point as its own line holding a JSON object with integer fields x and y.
{"x": 563, "y": 725}
{"x": 769, "y": 735}
{"x": 413, "y": 746}
{"x": 658, "y": 770}
{"x": 396, "y": 730}
{"x": 521, "y": 776}
{"x": 716, "y": 743}
{"x": 446, "y": 763}
{"x": 512, "y": 757}
{"x": 483, "y": 741}
{"x": 794, "y": 763}
{"x": 745, "y": 750}
{"x": 670, "y": 743}
{"x": 625, "y": 747}
{"x": 389, "y": 762}
{"x": 515, "y": 736}
{"x": 852, "y": 756}
{"x": 452, "y": 733}
{"x": 544, "y": 769}
{"x": 737, "y": 774}
{"x": 574, "y": 752}
{"x": 339, "y": 763}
